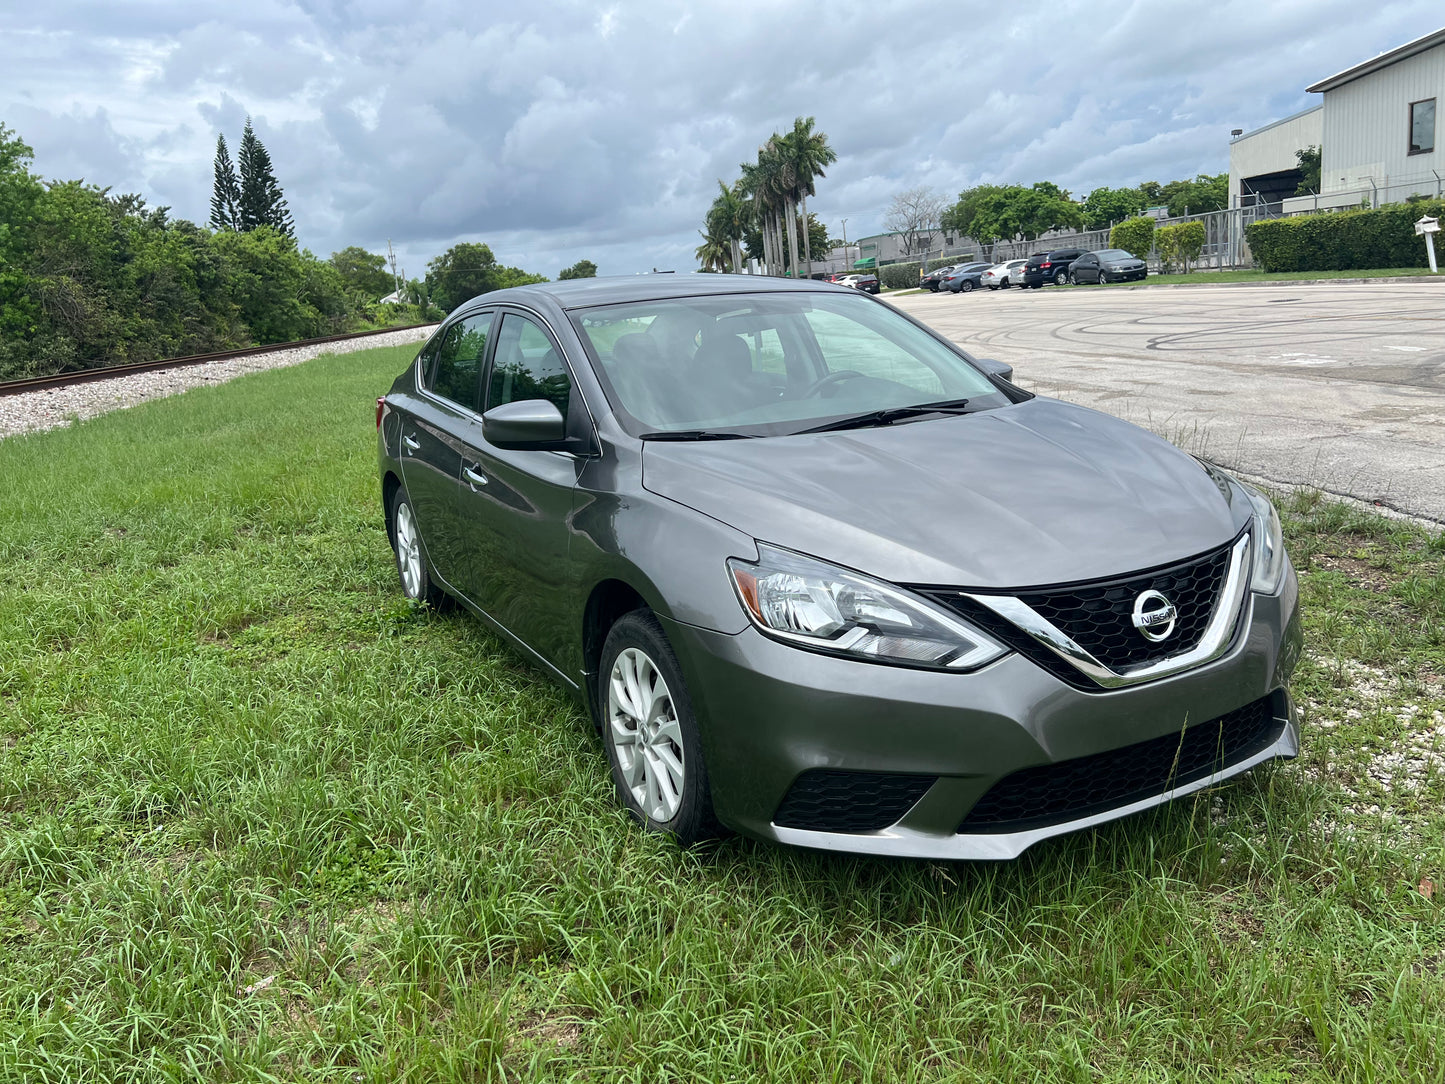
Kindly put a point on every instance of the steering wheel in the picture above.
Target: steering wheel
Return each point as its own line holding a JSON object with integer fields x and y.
{"x": 817, "y": 386}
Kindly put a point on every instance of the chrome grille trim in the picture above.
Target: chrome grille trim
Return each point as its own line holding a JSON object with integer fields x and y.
{"x": 1212, "y": 644}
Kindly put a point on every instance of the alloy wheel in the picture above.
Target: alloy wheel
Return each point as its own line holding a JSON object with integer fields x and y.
{"x": 645, "y": 733}
{"x": 408, "y": 550}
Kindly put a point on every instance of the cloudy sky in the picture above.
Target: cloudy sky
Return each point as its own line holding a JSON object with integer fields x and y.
{"x": 558, "y": 130}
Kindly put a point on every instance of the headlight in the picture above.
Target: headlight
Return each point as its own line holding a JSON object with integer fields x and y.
{"x": 826, "y": 608}
{"x": 1267, "y": 543}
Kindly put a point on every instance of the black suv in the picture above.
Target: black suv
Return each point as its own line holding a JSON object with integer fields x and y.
{"x": 1046, "y": 267}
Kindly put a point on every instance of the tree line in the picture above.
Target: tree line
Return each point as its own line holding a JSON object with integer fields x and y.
{"x": 763, "y": 215}
{"x": 990, "y": 212}
{"x": 91, "y": 278}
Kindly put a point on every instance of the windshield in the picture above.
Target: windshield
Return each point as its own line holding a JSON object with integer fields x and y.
{"x": 1114, "y": 254}
{"x": 768, "y": 364}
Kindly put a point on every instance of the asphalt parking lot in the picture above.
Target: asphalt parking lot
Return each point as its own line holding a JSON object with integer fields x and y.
{"x": 1338, "y": 387}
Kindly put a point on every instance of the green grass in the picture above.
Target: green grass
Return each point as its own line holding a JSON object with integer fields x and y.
{"x": 261, "y": 820}
{"x": 1203, "y": 278}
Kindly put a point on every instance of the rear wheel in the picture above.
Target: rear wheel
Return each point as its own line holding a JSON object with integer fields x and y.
{"x": 966, "y": 286}
{"x": 650, "y": 732}
{"x": 411, "y": 564}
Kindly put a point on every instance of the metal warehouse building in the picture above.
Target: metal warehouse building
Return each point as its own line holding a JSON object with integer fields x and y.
{"x": 1377, "y": 128}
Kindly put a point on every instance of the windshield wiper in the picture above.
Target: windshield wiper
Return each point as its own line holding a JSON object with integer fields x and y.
{"x": 889, "y": 415}
{"x": 693, "y": 434}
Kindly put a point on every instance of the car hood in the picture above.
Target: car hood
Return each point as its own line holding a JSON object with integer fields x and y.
{"x": 1036, "y": 493}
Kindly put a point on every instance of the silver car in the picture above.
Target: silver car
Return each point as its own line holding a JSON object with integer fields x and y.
{"x": 1003, "y": 275}
{"x": 821, "y": 577}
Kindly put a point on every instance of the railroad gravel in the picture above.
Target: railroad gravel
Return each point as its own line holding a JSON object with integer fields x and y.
{"x": 50, "y": 408}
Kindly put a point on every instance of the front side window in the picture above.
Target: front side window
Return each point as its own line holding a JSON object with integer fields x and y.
{"x": 457, "y": 370}
{"x": 768, "y": 364}
{"x": 1422, "y": 126}
{"x": 527, "y": 366}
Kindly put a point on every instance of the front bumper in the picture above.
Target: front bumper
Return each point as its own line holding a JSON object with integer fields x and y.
{"x": 770, "y": 712}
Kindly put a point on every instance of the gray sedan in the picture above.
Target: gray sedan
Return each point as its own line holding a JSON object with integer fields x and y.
{"x": 1107, "y": 265}
{"x": 821, "y": 577}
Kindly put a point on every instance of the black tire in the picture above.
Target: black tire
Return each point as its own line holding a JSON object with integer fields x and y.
{"x": 692, "y": 819}
{"x": 413, "y": 569}
{"x": 966, "y": 286}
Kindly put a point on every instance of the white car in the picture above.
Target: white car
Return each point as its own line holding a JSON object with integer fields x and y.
{"x": 1004, "y": 274}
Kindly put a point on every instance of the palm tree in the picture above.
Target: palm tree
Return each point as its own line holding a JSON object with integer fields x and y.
{"x": 785, "y": 182}
{"x": 712, "y": 254}
{"x": 763, "y": 181}
{"x": 727, "y": 218}
{"x": 808, "y": 152}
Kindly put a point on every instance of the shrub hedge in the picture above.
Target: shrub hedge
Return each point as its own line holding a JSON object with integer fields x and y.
{"x": 1134, "y": 235}
{"x": 1343, "y": 240}
{"x": 900, "y": 276}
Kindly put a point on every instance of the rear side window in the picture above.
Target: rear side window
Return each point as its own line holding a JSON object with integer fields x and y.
{"x": 456, "y": 372}
{"x": 527, "y": 366}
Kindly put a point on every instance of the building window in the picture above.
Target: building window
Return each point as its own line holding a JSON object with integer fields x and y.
{"x": 1422, "y": 126}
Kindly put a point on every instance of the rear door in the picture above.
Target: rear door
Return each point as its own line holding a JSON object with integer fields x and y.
{"x": 513, "y": 506}
{"x": 432, "y": 438}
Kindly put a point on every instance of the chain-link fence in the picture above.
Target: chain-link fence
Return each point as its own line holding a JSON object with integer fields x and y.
{"x": 1225, "y": 247}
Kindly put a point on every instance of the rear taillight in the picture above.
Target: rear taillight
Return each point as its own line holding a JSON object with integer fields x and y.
{"x": 1046, "y": 264}
{"x": 380, "y": 410}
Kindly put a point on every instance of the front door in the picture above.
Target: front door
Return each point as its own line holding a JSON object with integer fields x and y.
{"x": 515, "y": 505}
{"x": 432, "y": 438}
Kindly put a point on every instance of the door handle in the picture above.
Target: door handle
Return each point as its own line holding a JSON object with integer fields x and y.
{"x": 473, "y": 477}
{"x": 410, "y": 442}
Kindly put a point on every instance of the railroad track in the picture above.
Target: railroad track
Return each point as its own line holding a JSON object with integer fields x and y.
{"x": 83, "y": 376}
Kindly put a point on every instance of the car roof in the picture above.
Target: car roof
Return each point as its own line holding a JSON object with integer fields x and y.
{"x": 612, "y": 290}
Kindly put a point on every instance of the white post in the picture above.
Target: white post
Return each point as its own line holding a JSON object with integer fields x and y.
{"x": 1429, "y": 227}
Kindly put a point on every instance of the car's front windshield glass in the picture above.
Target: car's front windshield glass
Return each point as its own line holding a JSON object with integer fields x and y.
{"x": 1115, "y": 254}
{"x": 768, "y": 364}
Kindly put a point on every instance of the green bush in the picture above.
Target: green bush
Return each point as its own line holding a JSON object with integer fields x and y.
{"x": 1179, "y": 244}
{"x": 898, "y": 276}
{"x": 1343, "y": 240}
{"x": 1134, "y": 235}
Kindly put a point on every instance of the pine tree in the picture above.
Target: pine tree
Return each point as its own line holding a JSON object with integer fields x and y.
{"x": 225, "y": 192}
{"x": 261, "y": 202}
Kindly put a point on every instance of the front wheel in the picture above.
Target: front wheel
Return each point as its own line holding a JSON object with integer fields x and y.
{"x": 650, "y": 732}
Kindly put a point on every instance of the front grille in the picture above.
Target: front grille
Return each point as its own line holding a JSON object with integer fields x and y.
{"x": 1098, "y": 615}
{"x": 1071, "y": 789}
{"x": 825, "y": 800}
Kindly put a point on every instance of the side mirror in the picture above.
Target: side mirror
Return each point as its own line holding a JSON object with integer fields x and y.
{"x": 525, "y": 424}
{"x": 995, "y": 368}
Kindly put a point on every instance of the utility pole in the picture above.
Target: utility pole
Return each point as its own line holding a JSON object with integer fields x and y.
{"x": 845, "y": 246}
{"x": 391, "y": 258}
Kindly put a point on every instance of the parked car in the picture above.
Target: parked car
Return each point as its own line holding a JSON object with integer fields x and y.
{"x": 931, "y": 280}
{"x": 1107, "y": 265}
{"x": 1043, "y": 268}
{"x": 868, "y": 283}
{"x": 822, "y": 577}
{"x": 964, "y": 278}
{"x": 1004, "y": 275}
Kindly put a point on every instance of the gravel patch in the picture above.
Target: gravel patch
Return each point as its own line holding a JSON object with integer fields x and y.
{"x": 51, "y": 408}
